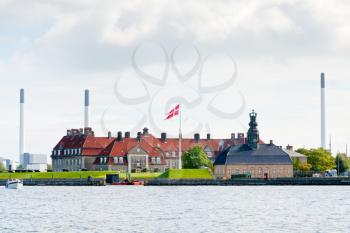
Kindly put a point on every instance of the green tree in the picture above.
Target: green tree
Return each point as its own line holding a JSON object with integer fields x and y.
{"x": 296, "y": 164}
{"x": 304, "y": 167}
{"x": 343, "y": 162}
{"x": 2, "y": 167}
{"x": 299, "y": 166}
{"x": 320, "y": 159}
{"x": 196, "y": 158}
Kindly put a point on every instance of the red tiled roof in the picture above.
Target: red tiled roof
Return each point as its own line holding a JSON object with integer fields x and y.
{"x": 76, "y": 141}
{"x": 94, "y": 145}
{"x": 111, "y": 147}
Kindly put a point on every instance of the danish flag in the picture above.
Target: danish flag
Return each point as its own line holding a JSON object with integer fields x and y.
{"x": 173, "y": 112}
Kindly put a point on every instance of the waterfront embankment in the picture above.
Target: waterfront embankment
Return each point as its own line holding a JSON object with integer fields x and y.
{"x": 247, "y": 182}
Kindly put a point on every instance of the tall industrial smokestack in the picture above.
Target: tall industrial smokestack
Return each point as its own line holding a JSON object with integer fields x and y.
{"x": 323, "y": 112}
{"x": 21, "y": 125}
{"x": 86, "y": 110}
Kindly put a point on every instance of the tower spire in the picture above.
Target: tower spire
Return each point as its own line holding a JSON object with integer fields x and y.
{"x": 253, "y": 132}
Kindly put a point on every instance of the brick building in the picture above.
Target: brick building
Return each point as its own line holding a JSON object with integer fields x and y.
{"x": 81, "y": 149}
{"x": 254, "y": 158}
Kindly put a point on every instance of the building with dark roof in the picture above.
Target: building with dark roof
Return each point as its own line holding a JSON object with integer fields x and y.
{"x": 253, "y": 158}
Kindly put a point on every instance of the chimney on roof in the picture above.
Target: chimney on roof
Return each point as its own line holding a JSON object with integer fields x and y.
{"x": 127, "y": 134}
{"x": 289, "y": 147}
{"x": 87, "y": 131}
{"x": 109, "y": 134}
{"x": 271, "y": 142}
{"x": 196, "y": 137}
{"x": 145, "y": 131}
{"x": 233, "y": 136}
{"x": 119, "y": 136}
{"x": 138, "y": 137}
{"x": 208, "y": 136}
{"x": 69, "y": 132}
{"x": 163, "y": 137}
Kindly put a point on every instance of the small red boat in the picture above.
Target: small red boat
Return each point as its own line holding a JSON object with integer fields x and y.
{"x": 127, "y": 182}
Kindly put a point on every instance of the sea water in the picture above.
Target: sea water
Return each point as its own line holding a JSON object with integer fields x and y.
{"x": 176, "y": 209}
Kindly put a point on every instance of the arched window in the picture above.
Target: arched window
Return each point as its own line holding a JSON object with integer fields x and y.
{"x": 252, "y": 171}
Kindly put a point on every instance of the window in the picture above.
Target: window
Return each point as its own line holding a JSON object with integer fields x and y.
{"x": 121, "y": 160}
{"x": 158, "y": 160}
{"x": 167, "y": 154}
{"x": 173, "y": 154}
{"x": 153, "y": 160}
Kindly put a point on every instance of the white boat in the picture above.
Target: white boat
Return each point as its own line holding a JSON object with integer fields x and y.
{"x": 14, "y": 184}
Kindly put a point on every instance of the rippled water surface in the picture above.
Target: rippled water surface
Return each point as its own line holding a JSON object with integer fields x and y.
{"x": 176, "y": 209}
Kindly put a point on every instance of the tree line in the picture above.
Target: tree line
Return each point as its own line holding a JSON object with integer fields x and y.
{"x": 321, "y": 160}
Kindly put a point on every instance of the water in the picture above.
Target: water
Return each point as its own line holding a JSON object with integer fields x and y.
{"x": 176, "y": 209}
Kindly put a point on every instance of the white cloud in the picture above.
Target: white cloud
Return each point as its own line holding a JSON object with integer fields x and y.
{"x": 58, "y": 48}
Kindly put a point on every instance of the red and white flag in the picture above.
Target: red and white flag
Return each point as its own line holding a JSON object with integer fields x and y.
{"x": 173, "y": 112}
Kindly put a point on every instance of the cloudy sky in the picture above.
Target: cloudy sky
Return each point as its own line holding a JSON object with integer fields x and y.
{"x": 219, "y": 59}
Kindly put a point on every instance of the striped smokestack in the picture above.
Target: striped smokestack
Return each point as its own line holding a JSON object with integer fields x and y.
{"x": 323, "y": 112}
{"x": 21, "y": 125}
{"x": 86, "y": 109}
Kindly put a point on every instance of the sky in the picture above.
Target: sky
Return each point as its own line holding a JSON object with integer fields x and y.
{"x": 218, "y": 59}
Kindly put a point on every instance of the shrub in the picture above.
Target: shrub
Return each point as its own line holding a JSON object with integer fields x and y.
{"x": 156, "y": 170}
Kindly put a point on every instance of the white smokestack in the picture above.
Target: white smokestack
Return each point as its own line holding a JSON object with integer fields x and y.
{"x": 86, "y": 110}
{"x": 21, "y": 125}
{"x": 323, "y": 112}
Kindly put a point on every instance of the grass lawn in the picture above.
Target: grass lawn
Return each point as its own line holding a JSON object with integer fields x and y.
{"x": 170, "y": 174}
{"x": 71, "y": 175}
{"x": 187, "y": 174}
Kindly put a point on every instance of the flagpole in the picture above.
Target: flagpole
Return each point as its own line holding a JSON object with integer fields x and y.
{"x": 180, "y": 136}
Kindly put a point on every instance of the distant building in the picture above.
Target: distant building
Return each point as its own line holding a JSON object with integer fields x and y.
{"x": 81, "y": 149}
{"x": 9, "y": 164}
{"x": 253, "y": 158}
{"x": 34, "y": 161}
{"x": 295, "y": 155}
